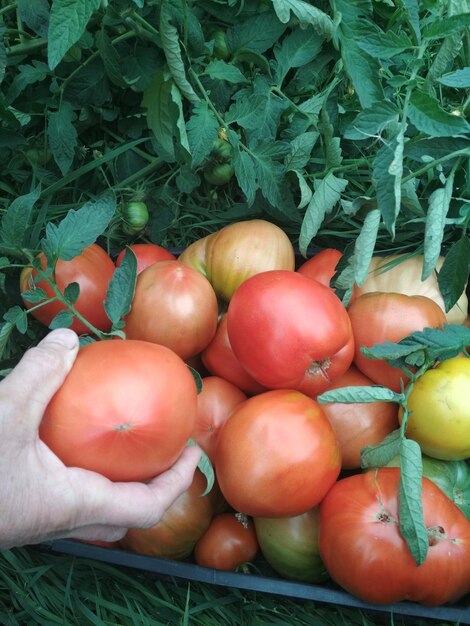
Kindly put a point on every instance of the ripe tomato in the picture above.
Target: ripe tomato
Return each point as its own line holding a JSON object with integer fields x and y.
{"x": 175, "y": 306}
{"x": 125, "y": 410}
{"x": 229, "y": 542}
{"x": 291, "y": 545}
{"x": 276, "y": 455}
{"x": 147, "y": 254}
{"x": 364, "y": 551}
{"x": 176, "y": 534}
{"x": 359, "y": 425}
{"x": 238, "y": 251}
{"x": 402, "y": 274}
{"x": 378, "y": 317}
{"x": 92, "y": 270}
{"x": 219, "y": 359}
{"x": 285, "y": 330}
{"x": 215, "y": 402}
{"x": 439, "y": 417}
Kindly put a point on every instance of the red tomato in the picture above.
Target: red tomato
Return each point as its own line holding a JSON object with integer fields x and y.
{"x": 176, "y": 534}
{"x": 215, "y": 402}
{"x": 92, "y": 270}
{"x": 285, "y": 329}
{"x": 229, "y": 542}
{"x": 377, "y": 317}
{"x": 322, "y": 266}
{"x": 147, "y": 254}
{"x": 173, "y": 305}
{"x": 219, "y": 359}
{"x": 125, "y": 410}
{"x": 277, "y": 455}
{"x": 364, "y": 551}
{"x": 359, "y": 425}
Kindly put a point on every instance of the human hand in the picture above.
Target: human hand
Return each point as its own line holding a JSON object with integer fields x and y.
{"x": 41, "y": 498}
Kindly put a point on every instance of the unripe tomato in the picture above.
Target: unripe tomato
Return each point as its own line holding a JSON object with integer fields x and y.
{"x": 228, "y": 543}
{"x": 439, "y": 408}
{"x": 92, "y": 270}
{"x": 146, "y": 254}
{"x": 175, "y": 306}
{"x": 135, "y": 216}
{"x": 378, "y": 317}
{"x": 126, "y": 410}
{"x": 219, "y": 167}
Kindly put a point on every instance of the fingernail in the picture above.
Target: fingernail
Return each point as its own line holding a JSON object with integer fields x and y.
{"x": 64, "y": 337}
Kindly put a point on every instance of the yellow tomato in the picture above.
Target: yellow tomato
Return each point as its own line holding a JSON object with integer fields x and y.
{"x": 439, "y": 408}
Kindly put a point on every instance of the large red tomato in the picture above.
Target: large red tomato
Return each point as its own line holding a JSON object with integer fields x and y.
{"x": 219, "y": 359}
{"x": 378, "y": 317}
{"x": 364, "y": 551}
{"x": 287, "y": 329}
{"x": 147, "y": 254}
{"x": 125, "y": 410}
{"x": 173, "y": 305}
{"x": 277, "y": 455}
{"x": 228, "y": 543}
{"x": 176, "y": 534}
{"x": 215, "y": 402}
{"x": 322, "y": 267}
{"x": 359, "y": 425}
{"x": 92, "y": 270}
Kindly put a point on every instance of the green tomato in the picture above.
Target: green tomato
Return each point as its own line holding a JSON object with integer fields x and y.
{"x": 135, "y": 217}
{"x": 220, "y": 174}
{"x": 219, "y": 168}
{"x": 221, "y": 50}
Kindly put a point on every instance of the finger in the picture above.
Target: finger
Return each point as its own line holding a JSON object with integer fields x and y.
{"x": 26, "y": 391}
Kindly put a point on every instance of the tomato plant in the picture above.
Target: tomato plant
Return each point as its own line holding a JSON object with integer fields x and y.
{"x": 439, "y": 410}
{"x": 379, "y": 317}
{"x": 228, "y": 543}
{"x": 181, "y": 526}
{"x": 401, "y": 274}
{"x": 219, "y": 169}
{"x": 276, "y": 455}
{"x": 125, "y": 410}
{"x": 215, "y": 402}
{"x": 91, "y": 270}
{"x": 219, "y": 359}
{"x": 360, "y": 424}
{"x": 147, "y": 254}
{"x": 291, "y": 545}
{"x": 173, "y": 305}
{"x": 364, "y": 551}
{"x": 237, "y": 251}
{"x": 289, "y": 331}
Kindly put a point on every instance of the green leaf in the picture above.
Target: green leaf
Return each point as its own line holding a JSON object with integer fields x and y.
{"x": 297, "y": 49}
{"x": 6, "y": 330}
{"x": 68, "y": 20}
{"x": 158, "y": 102}
{"x": 454, "y": 273}
{"x": 372, "y": 121}
{"x": 79, "y": 229}
{"x": 121, "y": 288}
{"x": 71, "y": 292}
{"x": 63, "y": 319}
{"x": 385, "y": 45}
{"x": 428, "y": 116}
{"x": 410, "y": 504}
{"x": 439, "y": 203}
{"x": 220, "y": 70}
{"x": 446, "y": 26}
{"x": 3, "y": 52}
{"x": 255, "y": 34}
{"x": 17, "y": 316}
{"x": 412, "y": 10}
{"x": 244, "y": 165}
{"x": 205, "y": 466}
{"x": 35, "y": 14}
{"x": 268, "y": 172}
{"x": 387, "y": 173}
{"x": 460, "y": 79}
{"x": 326, "y": 196}
{"x": 382, "y": 453}
{"x": 62, "y": 136}
{"x": 301, "y": 150}
{"x": 111, "y": 59}
{"x": 16, "y": 219}
{"x": 358, "y": 394}
{"x": 307, "y": 14}
{"x": 365, "y": 245}
{"x": 34, "y": 295}
{"x": 202, "y": 132}
{"x": 27, "y": 75}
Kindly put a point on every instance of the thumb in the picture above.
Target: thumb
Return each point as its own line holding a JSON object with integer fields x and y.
{"x": 27, "y": 390}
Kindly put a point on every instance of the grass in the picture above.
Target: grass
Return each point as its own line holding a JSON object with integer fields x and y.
{"x": 47, "y": 589}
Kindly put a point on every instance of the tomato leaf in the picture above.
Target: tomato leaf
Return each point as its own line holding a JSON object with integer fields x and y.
{"x": 360, "y": 394}
{"x": 17, "y": 316}
{"x": 372, "y": 121}
{"x": 71, "y": 292}
{"x": 365, "y": 245}
{"x": 430, "y": 118}
{"x": 202, "y": 132}
{"x": 197, "y": 378}
{"x": 121, "y": 288}
{"x": 205, "y": 466}
{"x": 16, "y": 220}
{"x": 158, "y": 102}
{"x": 382, "y": 453}
{"x": 306, "y": 13}
{"x": 63, "y": 319}
{"x": 6, "y": 329}
{"x": 62, "y": 136}
{"x": 447, "y": 26}
{"x": 410, "y": 504}
{"x": 387, "y": 172}
{"x": 79, "y": 229}
{"x": 454, "y": 273}
{"x": 34, "y": 295}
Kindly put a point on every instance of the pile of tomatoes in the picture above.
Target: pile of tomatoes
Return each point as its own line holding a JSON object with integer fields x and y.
{"x": 267, "y": 336}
